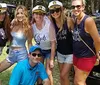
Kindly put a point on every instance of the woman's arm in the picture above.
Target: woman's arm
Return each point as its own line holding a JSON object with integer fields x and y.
{"x": 29, "y": 38}
{"x": 90, "y": 27}
{"x": 53, "y": 44}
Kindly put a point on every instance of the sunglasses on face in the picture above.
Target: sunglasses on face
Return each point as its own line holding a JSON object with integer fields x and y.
{"x": 77, "y": 6}
{"x": 55, "y": 10}
{"x": 35, "y": 54}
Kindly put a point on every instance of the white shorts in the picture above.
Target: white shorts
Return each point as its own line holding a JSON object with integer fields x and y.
{"x": 65, "y": 58}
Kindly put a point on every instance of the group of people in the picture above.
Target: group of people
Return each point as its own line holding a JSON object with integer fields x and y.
{"x": 73, "y": 40}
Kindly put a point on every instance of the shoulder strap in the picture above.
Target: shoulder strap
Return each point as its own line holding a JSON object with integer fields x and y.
{"x": 81, "y": 37}
{"x": 86, "y": 44}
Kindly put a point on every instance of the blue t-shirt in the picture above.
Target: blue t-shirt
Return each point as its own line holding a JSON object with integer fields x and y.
{"x": 24, "y": 74}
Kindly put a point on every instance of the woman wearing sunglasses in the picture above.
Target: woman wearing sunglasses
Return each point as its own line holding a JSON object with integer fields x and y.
{"x": 63, "y": 26}
{"x": 86, "y": 43}
{"x": 4, "y": 26}
{"x": 44, "y": 36}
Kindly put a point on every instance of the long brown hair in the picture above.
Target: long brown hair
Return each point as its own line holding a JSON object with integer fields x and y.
{"x": 6, "y": 25}
{"x": 25, "y": 23}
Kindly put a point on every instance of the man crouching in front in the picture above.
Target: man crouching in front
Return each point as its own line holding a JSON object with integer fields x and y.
{"x": 27, "y": 72}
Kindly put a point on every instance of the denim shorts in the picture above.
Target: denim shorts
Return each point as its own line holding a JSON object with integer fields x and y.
{"x": 46, "y": 54}
{"x": 17, "y": 55}
{"x": 65, "y": 58}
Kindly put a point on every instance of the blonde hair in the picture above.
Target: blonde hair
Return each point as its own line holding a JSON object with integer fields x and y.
{"x": 62, "y": 19}
{"x": 83, "y": 2}
{"x": 25, "y": 23}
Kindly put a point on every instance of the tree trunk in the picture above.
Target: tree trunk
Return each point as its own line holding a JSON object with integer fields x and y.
{"x": 92, "y": 6}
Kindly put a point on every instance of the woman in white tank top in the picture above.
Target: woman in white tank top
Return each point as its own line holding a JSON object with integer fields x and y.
{"x": 44, "y": 36}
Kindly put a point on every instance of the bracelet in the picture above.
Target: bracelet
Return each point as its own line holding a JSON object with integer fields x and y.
{"x": 97, "y": 59}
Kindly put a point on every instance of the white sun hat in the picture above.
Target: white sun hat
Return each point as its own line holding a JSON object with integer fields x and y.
{"x": 3, "y": 7}
{"x": 55, "y": 3}
{"x": 39, "y": 8}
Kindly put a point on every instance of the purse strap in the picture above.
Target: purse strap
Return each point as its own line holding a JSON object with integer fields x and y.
{"x": 84, "y": 41}
{"x": 86, "y": 44}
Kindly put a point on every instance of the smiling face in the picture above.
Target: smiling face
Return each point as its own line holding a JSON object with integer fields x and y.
{"x": 35, "y": 57}
{"x": 55, "y": 13}
{"x": 77, "y": 7}
{"x": 38, "y": 17}
{"x": 20, "y": 15}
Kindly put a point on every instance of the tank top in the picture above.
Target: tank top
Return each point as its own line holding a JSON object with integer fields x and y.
{"x": 79, "y": 48}
{"x": 64, "y": 39}
{"x": 42, "y": 36}
{"x": 18, "y": 39}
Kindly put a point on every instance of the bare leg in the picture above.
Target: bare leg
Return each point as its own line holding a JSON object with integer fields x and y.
{"x": 4, "y": 65}
{"x": 39, "y": 81}
{"x": 64, "y": 73}
{"x": 49, "y": 71}
{"x": 80, "y": 76}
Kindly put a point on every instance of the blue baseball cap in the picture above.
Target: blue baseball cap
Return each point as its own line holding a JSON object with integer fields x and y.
{"x": 33, "y": 48}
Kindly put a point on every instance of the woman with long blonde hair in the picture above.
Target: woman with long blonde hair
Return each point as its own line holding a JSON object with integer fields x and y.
{"x": 63, "y": 26}
{"x": 20, "y": 32}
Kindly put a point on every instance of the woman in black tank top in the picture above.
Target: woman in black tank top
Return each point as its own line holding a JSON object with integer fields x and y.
{"x": 84, "y": 31}
{"x": 62, "y": 26}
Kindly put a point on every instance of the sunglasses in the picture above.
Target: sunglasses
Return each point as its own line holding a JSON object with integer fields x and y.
{"x": 35, "y": 54}
{"x": 77, "y": 6}
{"x": 55, "y": 10}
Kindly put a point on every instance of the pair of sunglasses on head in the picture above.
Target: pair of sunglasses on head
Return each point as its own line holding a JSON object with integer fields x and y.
{"x": 54, "y": 10}
{"x": 35, "y": 54}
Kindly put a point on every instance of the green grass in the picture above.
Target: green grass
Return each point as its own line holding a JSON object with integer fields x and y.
{"x": 5, "y": 75}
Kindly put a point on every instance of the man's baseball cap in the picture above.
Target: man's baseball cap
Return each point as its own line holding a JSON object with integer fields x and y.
{"x": 3, "y": 7}
{"x": 39, "y": 8}
{"x": 33, "y": 48}
{"x": 53, "y": 4}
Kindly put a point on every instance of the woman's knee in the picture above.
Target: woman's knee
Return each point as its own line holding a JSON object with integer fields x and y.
{"x": 4, "y": 65}
{"x": 49, "y": 73}
{"x": 79, "y": 82}
{"x": 63, "y": 75}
